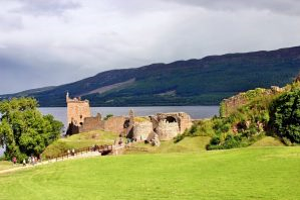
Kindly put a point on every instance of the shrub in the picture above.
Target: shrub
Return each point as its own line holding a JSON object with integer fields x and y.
{"x": 286, "y": 141}
{"x": 285, "y": 116}
{"x": 193, "y": 130}
{"x": 232, "y": 142}
{"x": 215, "y": 140}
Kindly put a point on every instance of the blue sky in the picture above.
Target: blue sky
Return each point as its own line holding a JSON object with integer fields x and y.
{"x": 52, "y": 42}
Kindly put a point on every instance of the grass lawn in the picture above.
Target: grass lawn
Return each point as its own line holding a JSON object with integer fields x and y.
{"x": 5, "y": 165}
{"x": 248, "y": 173}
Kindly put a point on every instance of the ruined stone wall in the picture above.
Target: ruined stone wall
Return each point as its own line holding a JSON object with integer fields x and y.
{"x": 185, "y": 122}
{"x": 230, "y": 105}
{"x": 142, "y": 130}
{"x": 166, "y": 130}
{"x": 92, "y": 123}
{"x": 169, "y": 125}
{"x": 115, "y": 124}
{"x": 165, "y": 125}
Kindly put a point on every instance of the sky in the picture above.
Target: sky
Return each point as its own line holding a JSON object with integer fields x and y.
{"x": 52, "y": 42}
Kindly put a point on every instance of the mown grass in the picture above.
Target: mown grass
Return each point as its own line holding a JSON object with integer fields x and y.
{"x": 249, "y": 173}
{"x": 5, "y": 165}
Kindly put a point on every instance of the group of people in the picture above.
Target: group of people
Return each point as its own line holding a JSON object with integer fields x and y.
{"x": 31, "y": 160}
{"x": 71, "y": 152}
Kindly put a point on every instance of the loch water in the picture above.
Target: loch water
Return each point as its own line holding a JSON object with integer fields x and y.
{"x": 196, "y": 112}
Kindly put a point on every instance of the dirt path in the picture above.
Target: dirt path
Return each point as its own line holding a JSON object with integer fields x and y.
{"x": 78, "y": 156}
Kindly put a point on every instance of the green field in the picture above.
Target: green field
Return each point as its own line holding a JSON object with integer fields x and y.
{"x": 249, "y": 173}
{"x": 5, "y": 165}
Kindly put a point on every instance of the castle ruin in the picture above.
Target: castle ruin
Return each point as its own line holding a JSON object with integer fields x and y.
{"x": 164, "y": 126}
{"x": 77, "y": 110}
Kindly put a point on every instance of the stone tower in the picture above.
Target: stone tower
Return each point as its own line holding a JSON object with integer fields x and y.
{"x": 77, "y": 110}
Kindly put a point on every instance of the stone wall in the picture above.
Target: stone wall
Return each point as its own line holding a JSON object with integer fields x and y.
{"x": 185, "y": 122}
{"x": 165, "y": 125}
{"x": 142, "y": 130}
{"x": 167, "y": 130}
{"x": 115, "y": 124}
{"x": 230, "y": 105}
{"x": 92, "y": 123}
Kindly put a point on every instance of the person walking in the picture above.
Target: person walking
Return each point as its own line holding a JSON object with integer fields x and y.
{"x": 68, "y": 153}
{"x": 32, "y": 160}
{"x": 14, "y": 160}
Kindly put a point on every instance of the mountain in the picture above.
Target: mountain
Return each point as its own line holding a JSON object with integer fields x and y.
{"x": 193, "y": 82}
{"x": 28, "y": 92}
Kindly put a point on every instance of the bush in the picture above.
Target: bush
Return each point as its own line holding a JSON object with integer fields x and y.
{"x": 285, "y": 116}
{"x": 193, "y": 130}
{"x": 215, "y": 140}
{"x": 178, "y": 138}
{"x": 232, "y": 142}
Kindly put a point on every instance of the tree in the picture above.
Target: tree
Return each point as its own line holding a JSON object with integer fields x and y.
{"x": 24, "y": 130}
{"x": 285, "y": 116}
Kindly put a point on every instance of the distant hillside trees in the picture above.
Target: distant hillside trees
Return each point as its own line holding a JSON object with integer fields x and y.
{"x": 24, "y": 130}
{"x": 204, "y": 81}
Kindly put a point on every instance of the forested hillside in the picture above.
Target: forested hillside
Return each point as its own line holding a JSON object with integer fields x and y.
{"x": 194, "y": 82}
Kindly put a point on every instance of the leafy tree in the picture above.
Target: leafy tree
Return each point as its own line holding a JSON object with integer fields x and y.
{"x": 285, "y": 116}
{"x": 24, "y": 130}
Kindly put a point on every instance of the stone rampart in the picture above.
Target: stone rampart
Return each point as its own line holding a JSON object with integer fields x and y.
{"x": 115, "y": 124}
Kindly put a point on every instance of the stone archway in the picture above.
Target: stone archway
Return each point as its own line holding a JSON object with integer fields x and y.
{"x": 171, "y": 119}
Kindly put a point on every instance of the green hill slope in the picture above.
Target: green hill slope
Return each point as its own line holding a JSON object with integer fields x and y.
{"x": 79, "y": 142}
{"x": 194, "y": 82}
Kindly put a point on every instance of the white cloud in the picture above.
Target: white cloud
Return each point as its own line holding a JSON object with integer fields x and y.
{"x": 42, "y": 7}
{"x": 288, "y": 7}
{"x": 61, "y": 41}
